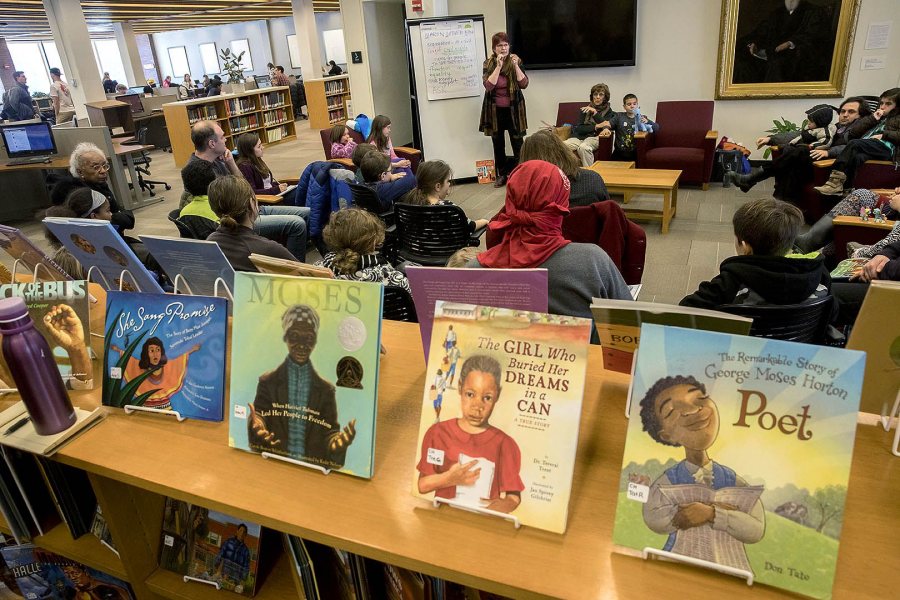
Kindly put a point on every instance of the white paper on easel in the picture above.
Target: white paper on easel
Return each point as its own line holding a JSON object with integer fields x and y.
{"x": 450, "y": 60}
{"x": 879, "y": 35}
{"x": 478, "y": 492}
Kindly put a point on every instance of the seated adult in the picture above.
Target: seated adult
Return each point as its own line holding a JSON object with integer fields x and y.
{"x": 537, "y": 199}
{"x": 585, "y": 135}
{"x": 881, "y": 141}
{"x": 586, "y": 186}
{"x": 822, "y": 231}
{"x": 354, "y": 236}
{"x": 215, "y": 86}
{"x": 198, "y": 214}
{"x": 256, "y": 171}
{"x": 234, "y": 203}
{"x": 121, "y": 88}
{"x": 885, "y": 266}
{"x": 433, "y": 186}
{"x": 282, "y": 223}
{"x": 390, "y": 187}
{"x": 793, "y": 168}
{"x": 89, "y": 168}
{"x": 110, "y": 85}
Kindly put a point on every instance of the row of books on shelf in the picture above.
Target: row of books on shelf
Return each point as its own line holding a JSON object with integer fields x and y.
{"x": 335, "y": 87}
{"x": 272, "y": 99}
{"x": 276, "y": 134}
{"x": 202, "y": 113}
{"x": 245, "y": 123}
{"x": 701, "y": 392}
{"x": 238, "y": 106}
{"x": 337, "y": 115}
{"x": 275, "y": 117}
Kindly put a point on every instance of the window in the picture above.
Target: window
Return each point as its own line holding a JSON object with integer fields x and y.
{"x": 28, "y": 57}
{"x": 178, "y": 62}
{"x": 210, "y": 59}
{"x": 238, "y": 46}
{"x": 109, "y": 60}
{"x": 53, "y": 59}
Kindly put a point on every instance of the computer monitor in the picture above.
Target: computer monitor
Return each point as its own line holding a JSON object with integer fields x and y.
{"x": 25, "y": 140}
{"x": 136, "y": 90}
{"x": 134, "y": 100}
{"x": 263, "y": 81}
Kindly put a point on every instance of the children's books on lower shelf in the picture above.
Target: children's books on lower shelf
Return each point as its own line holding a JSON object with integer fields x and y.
{"x": 500, "y": 411}
{"x": 738, "y": 453}
{"x": 166, "y": 352}
{"x": 208, "y": 545}
{"x": 619, "y": 325}
{"x": 60, "y": 311}
{"x": 876, "y": 333}
{"x": 304, "y": 369}
{"x": 47, "y": 576}
{"x": 96, "y": 243}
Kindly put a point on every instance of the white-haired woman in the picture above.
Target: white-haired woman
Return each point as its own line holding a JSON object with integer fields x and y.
{"x": 88, "y": 167}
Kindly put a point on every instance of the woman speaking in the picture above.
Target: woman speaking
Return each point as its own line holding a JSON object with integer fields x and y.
{"x": 504, "y": 104}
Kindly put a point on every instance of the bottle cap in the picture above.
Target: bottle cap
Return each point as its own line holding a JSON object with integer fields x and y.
{"x": 12, "y": 309}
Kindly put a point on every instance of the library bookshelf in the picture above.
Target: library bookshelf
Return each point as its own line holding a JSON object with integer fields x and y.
{"x": 267, "y": 111}
{"x": 135, "y": 461}
{"x": 326, "y": 100}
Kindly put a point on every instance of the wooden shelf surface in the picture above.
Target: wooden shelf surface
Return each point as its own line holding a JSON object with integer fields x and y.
{"x": 87, "y": 550}
{"x": 379, "y": 518}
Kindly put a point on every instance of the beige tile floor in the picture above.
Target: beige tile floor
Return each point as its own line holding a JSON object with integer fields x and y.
{"x": 699, "y": 238}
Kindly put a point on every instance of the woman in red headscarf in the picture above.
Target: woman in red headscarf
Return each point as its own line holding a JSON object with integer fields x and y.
{"x": 537, "y": 199}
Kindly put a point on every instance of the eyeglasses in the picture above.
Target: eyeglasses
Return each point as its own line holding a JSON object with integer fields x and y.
{"x": 100, "y": 166}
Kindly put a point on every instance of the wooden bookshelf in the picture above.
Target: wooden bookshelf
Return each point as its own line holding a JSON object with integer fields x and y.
{"x": 87, "y": 550}
{"x": 266, "y": 111}
{"x": 135, "y": 461}
{"x": 326, "y": 100}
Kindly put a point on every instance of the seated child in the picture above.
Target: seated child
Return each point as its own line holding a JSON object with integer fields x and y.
{"x": 472, "y": 434}
{"x": 761, "y": 273}
{"x": 433, "y": 186}
{"x": 196, "y": 177}
{"x": 234, "y": 202}
{"x": 358, "y": 153}
{"x": 380, "y": 137}
{"x": 257, "y": 172}
{"x": 624, "y": 126}
{"x": 584, "y": 139}
{"x": 354, "y": 236}
{"x": 376, "y": 172}
{"x": 342, "y": 145}
{"x": 462, "y": 257}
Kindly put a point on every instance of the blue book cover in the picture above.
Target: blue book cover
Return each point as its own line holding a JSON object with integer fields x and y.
{"x": 304, "y": 369}
{"x": 95, "y": 243}
{"x": 738, "y": 453}
{"x": 199, "y": 262}
{"x": 47, "y": 576}
{"x": 167, "y": 352}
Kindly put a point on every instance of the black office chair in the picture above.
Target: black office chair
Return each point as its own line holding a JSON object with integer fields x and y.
{"x": 429, "y": 235}
{"x": 192, "y": 227}
{"x": 142, "y": 166}
{"x": 806, "y": 322}
{"x": 366, "y": 198}
{"x": 398, "y": 305}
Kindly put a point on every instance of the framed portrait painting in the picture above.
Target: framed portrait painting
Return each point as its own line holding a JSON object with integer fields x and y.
{"x": 785, "y": 48}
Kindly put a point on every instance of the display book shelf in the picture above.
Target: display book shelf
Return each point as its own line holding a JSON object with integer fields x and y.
{"x": 266, "y": 111}
{"x": 327, "y": 99}
{"x": 134, "y": 462}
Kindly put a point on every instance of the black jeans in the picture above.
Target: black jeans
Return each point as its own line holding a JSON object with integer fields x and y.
{"x": 856, "y": 153}
{"x": 504, "y": 124}
{"x": 792, "y": 170}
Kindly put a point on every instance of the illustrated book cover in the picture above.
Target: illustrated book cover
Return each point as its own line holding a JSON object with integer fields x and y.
{"x": 209, "y": 545}
{"x": 19, "y": 247}
{"x": 60, "y": 311}
{"x": 47, "y": 576}
{"x": 96, "y": 243}
{"x": 874, "y": 334}
{"x": 200, "y": 263}
{"x": 848, "y": 267}
{"x": 166, "y": 352}
{"x": 521, "y": 289}
{"x": 619, "y": 322}
{"x": 738, "y": 453}
{"x": 484, "y": 170}
{"x": 500, "y": 411}
{"x": 304, "y": 369}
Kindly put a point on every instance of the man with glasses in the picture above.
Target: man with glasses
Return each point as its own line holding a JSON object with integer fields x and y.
{"x": 17, "y": 103}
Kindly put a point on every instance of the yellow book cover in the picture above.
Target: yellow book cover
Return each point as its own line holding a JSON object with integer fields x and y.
{"x": 880, "y": 340}
{"x": 500, "y": 411}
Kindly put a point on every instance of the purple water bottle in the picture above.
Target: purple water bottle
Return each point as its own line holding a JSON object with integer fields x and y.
{"x": 34, "y": 370}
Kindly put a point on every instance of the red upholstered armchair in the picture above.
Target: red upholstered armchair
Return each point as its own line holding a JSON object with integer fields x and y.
{"x": 684, "y": 141}
{"x": 412, "y": 154}
{"x": 603, "y": 224}
{"x": 569, "y": 113}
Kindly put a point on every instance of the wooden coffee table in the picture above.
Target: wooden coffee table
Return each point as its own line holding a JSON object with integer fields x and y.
{"x": 643, "y": 181}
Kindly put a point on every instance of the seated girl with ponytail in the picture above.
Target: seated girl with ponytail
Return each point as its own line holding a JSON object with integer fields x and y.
{"x": 354, "y": 236}
{"x": 433, "y": 186}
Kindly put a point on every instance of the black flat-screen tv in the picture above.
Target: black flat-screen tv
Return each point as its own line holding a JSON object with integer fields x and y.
{"x": 562, "y": 34}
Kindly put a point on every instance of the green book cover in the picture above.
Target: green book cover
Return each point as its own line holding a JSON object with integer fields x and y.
{"x": 304, "y": 369}
{"x": 738, "y": 453}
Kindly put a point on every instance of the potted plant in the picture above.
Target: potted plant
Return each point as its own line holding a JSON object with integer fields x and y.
{"x": 782, "y": 127}
{"x": 231, "y": 64}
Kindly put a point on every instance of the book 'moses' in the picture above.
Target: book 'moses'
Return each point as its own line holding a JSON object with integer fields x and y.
{"x": 500, "y": 411}
{"x": 166, "y": 352}
{"x": 738, "y": 453}
{"x": 304, "y": 369}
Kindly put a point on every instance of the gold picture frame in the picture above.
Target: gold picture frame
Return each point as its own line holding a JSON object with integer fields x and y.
{"x": 798, "y": 70}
